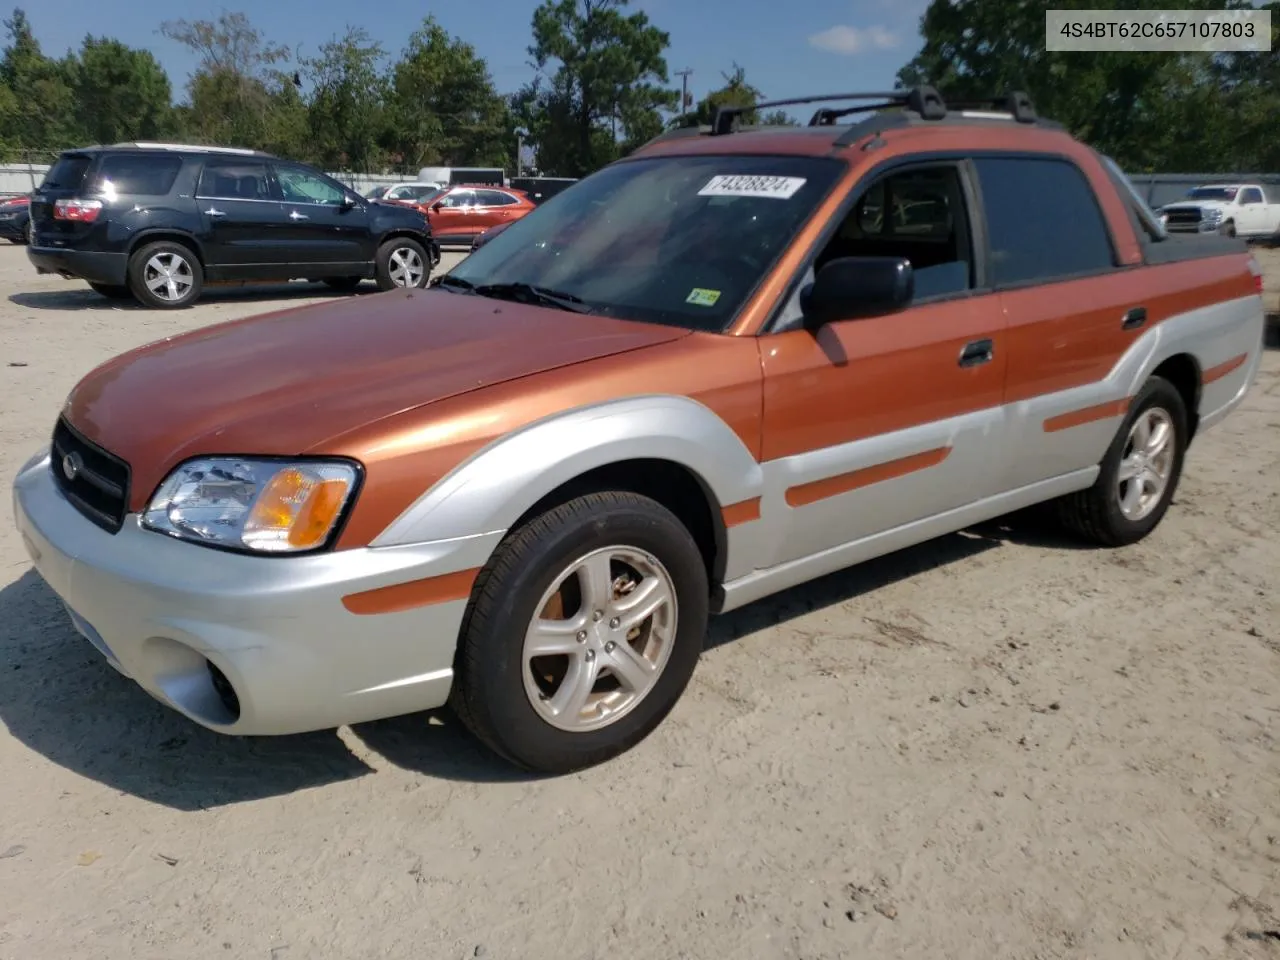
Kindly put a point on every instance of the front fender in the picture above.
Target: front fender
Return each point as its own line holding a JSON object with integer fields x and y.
{"x": 488, "y": 492}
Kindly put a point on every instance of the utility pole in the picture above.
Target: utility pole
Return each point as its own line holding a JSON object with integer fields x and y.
{"x": 684, "y": 91}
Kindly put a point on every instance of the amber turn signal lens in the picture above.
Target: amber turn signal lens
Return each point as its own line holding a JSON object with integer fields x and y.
{"x": 296, "y": 510}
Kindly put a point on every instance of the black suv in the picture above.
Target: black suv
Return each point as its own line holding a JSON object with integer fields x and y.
{"x": 157, "y": 221}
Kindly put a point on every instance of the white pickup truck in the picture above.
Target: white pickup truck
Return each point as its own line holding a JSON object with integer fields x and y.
{"x": 1246, "y": 210}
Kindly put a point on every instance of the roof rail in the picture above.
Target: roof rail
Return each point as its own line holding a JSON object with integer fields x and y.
{"x": 922, "y": 100}
{"x": 194, "y": 147}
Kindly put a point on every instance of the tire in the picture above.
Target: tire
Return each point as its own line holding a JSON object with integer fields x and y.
{"x": 394, "y": 266}
{"x": 495, "y": 691}
{"x": 342, "y": 284}
{"x": 1097, "y": 514}
{"x": 145, "y": 266}
{"x": 111, "y": 291}
{"x": 1228, "y": 229}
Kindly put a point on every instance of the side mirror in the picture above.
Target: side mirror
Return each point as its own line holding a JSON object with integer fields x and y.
{"x": 852, "y": 288}
{"x": 437, "y": 206}
{"x": 349, "y": 202}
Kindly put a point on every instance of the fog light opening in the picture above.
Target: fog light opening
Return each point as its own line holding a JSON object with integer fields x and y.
{"x": 225, "y": 691}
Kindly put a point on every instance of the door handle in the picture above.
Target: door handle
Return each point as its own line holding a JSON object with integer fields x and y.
{"x": 1134, "y": 318}
{"x": 214, "y": 212}
{"x": 973, "y": 354}
{"x": 295, "y": 215}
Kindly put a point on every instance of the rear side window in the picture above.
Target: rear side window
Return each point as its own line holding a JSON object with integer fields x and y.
{"x": 1043, "y": 221}
{"x": 67, "y": 173}
{"x": 138, "y": 174}
{"x": 235, "y": 180}
{"x": 494, "y": 198}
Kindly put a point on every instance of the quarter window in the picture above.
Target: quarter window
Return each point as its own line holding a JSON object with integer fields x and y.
{"x": 138, "y": 174}
{"x": 1043, "y": 221}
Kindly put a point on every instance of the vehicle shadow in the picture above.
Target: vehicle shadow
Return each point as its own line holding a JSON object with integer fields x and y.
{"x": 61, "y": 699}
{"x": 82, "y": 298}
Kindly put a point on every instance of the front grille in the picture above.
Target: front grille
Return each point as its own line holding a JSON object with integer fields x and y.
{"x": 1188, "y": 217}
{"x": 94, "y": 481}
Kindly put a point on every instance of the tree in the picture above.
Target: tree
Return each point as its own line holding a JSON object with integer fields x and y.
{"x": 1148, "y": 111}
{"x": 778, "y": 118}
{"x": 609, "y": 72}
{"x": 736, "y": 92}
{"x": 346, "y": 112}
{"x": 37, "y": 112}
{"x": 240, "y": 94}
{"x": 443, "y": 105}
{"x": 120, "y": 93}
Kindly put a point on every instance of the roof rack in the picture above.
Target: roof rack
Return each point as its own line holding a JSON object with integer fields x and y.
{"x": 924, "y": 101}
{"x": 192, "y": 147}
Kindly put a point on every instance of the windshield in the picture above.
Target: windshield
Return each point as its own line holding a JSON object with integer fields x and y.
{"x": 674, "y": 240}
{"x": 1225, "y": 194}
{"x": 376, "y": 193}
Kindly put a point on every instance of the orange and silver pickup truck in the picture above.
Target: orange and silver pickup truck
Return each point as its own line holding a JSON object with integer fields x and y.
{"x": 734, "y": 361}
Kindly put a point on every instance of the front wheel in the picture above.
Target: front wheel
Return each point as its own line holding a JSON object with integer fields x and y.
{"x": 583, "y": 631}
{"x": 402, "y": 263}
{"x": 1228, "y": 229}
{"x": 1139, "y": 473}
{"x": 166, "y": 275}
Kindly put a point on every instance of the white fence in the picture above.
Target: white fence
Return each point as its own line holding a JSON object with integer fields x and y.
{"x": 17, "y": 178}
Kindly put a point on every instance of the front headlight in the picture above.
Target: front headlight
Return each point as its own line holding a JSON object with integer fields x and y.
{"x": 1213, "y": 214}
{"x": 262, "y": 506}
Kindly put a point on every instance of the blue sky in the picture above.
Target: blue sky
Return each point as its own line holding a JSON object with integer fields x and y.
{"x": 787, "y": 49}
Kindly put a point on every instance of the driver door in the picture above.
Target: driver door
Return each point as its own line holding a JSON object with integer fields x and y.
{"x": 324, "y": 223}
{"x": 874, "y": 423}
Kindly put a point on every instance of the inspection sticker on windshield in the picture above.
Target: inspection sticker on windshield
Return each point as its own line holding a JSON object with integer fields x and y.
{"x": 702, "y": 298}
{"x": 744, "y": 185}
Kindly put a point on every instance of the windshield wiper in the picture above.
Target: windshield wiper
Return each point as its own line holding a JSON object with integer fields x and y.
{"x": 455, "y": 282}
{"x": 528, "y": 292}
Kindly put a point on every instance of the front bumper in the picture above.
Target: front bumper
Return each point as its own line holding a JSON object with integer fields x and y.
{"x": 161, "y": 611}
{"x": 95, "y": 267}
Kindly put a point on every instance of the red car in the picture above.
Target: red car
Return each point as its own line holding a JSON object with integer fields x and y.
{"x": 459, "y": 214}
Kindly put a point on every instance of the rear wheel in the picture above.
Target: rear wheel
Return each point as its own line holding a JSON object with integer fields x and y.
{"x": 112, "y": 291}
{"x": 165, "y": 275}
{"x": 1139, "y": 473}
{"x": 582, "y": 632}
{"x": 403, "y": 263}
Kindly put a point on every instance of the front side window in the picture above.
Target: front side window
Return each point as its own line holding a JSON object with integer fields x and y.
{"x": 300, "y": 185}
{"x": 1043, "y": 221}
{"x": 460, "y": 198}
{"x": 138, "y": 174}
{"x": 675, "y": 240}
{"x": 917, "y": 214}
{"x": 1251, "y": 195}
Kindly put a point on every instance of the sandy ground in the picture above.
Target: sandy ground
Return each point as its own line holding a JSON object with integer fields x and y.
{"x": 997, "y": 745}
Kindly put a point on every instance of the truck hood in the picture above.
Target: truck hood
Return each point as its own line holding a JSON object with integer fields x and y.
{"x": 284, "y": 382}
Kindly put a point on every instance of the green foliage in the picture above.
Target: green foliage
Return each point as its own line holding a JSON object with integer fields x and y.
{"x": 119, "y": 93}
{"x": 443, "y": 107}
{"x": 602, "y": 84}
{"x": 1167, "y": 112}
{"x": 346, "y": 114}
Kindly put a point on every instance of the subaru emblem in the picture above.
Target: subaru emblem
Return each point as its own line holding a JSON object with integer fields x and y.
{"x": 71, "y": 465}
